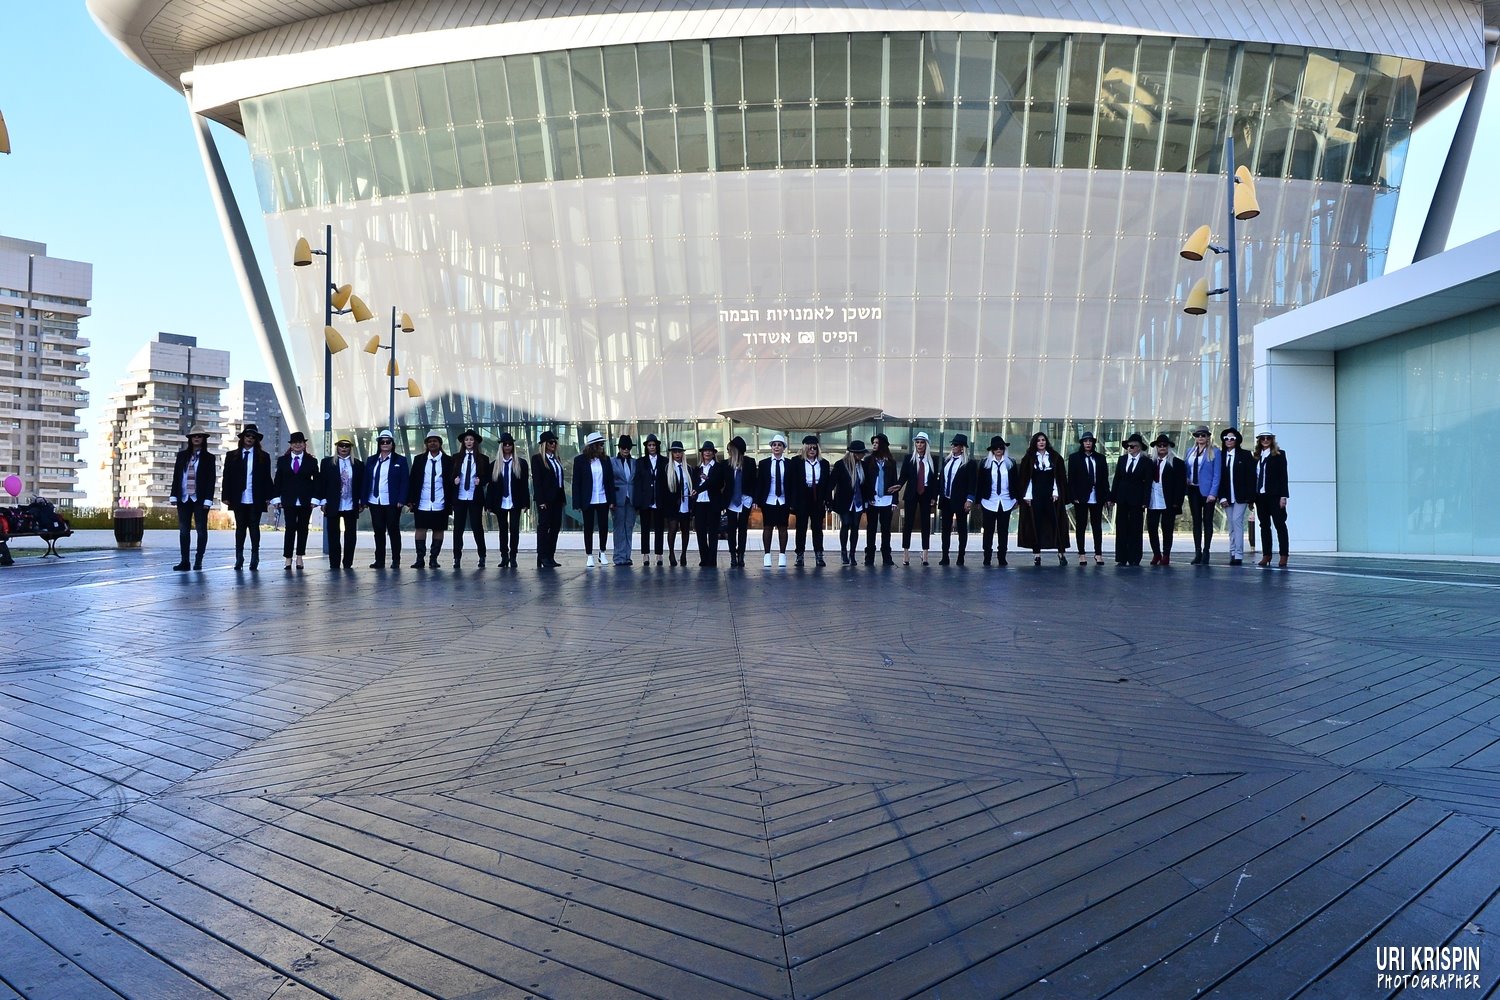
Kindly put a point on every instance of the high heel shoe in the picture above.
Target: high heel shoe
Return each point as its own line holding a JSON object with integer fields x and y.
{"x": 905, "y": 559}
{"x": 288, "y": 563}
{"x": 1098, "y": 561}
{"x": 1062, "y": 560}
{"x": 299, "y": 562}
{"x": 1036, "y": 561}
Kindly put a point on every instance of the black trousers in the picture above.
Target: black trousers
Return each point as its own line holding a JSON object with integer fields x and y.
{"x": 997, "y": 523}
{"x": 1085, "y": 515}
{"x": 340, "y": 550}
{"x": 510, "y": 531}
{"x": 1268, "y": 511}
{"x": 809, "y": 519}
{"x": 1165, "y": 522}
{"x": 919, "y": 517}
{"x": 652, "y": 521}
{"x": 246, "y": 522}
{"x": 878, "y": 517}
{"x": 191, "y": 516}
{"x": 950, "y": 511}
{"x": 548, "y": 525}
{"x": 468, "y": 515}
{"x": 595, "y": 515}
{"x": 385, "y": 518}
{"x": 1203, "y": 520}
{"x": 707, "y": 522}
{"x": 849, "y": 531}
{"x": 739, "y": 530}
{"x": 1129, "y": 521}
{"x": 296, "y": 531}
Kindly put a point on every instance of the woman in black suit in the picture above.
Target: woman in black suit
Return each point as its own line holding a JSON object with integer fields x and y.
{"x": 593, "y": 494}
{"x": 508, "y": 494}
{"x": 295, "y": 487}
{"x": 1168, "y": 490}
{"x": 1043, "y": 478}
{"x": 1089, "y": 474}
{"x": 650, "y": 495}
{"x": 739, "y": 491}
{"x": 853, "y": 491}
{"x": 1271, "y": 491}
{"x": 920, "y": 490}
{"x": 885, "y": 477}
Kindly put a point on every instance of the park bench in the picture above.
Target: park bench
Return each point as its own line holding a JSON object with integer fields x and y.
{"x": 37, "y": 519}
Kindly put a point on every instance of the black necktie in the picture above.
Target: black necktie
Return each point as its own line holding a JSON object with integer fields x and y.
{"x": 505, "y": 488}
{"x": 432, "y": 468}
{"x": 468, "y": 470}
{"x": 780, "y": 495}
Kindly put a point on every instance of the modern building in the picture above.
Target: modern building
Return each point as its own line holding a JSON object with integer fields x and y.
{"x": 43, "y": 360}
{"x": 254, "y": 403}
{"x": 1385, "y": 398}
{"x": 698, "y": 218}
{"x": 172, "y": 385}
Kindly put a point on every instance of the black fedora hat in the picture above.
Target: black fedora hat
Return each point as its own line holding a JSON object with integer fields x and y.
{"x": 1162, "y": 439}
{"x": 708, "y": 446}
{"x": 253, "y": 431}
{"x": 625, "y": 442}
{"x": 1087, "y": 436}
{"x": 505, "y": 438}
{"x": 880, "y": 440}
{"x": 810, "y": 439}
{"x": 856, "y": 447}
{"x": 546, "y": 437}
{"x": 676, "y": 446}
{"x": 962, "y": 440}
{"x": 997, "y": 442}
{"x": 1136, "y": 439}
{"x": 737, "y": 443}
{"x": 470, "y": 432}
{"x": 1228, "y": 431}
{"x": 297, "y": 438}
{"x": 653, "y": 439}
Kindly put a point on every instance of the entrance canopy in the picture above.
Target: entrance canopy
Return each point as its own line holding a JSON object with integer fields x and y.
{"x": 803, "y": 418}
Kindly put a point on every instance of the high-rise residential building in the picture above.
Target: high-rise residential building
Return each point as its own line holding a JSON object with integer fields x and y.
{"x": 42, "y": 362}
{"x": 254, "y": 403}
{"x": 172, "y": 385}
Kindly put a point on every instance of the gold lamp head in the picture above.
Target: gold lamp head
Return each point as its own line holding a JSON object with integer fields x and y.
{"x": 1246, "y": 205}
{"x": 393, "y": 370}
{"x": 406, "y": 325}
{"x": 1196, "y": 245}
{"x": 341, "y": 296}
{"x": 334, "y": 340}
{"x": 372, "y": 346}
{"x": 1197, "y": 300}
{"x": 302, "y": 253}
{"x": 361, "y": 311}
{"x": 412, "y": 389}
{"x": 4, "y": 136}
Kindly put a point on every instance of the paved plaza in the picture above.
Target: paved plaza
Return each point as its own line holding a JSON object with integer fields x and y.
{"x": 866, "y": 783}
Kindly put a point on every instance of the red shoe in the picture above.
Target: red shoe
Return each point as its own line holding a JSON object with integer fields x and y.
{"x": 1166, "y": 560}
{"x": 1264, "y": 561}
{"x": 1156, "y": 560}
{"x": 1282, "y": 562}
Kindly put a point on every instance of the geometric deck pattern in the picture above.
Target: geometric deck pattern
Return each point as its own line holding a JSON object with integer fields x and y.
{"x": 837, "y": 783}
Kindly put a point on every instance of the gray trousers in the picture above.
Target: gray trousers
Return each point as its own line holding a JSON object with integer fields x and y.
{"x": 624, "y": 518}
{"x": 1236, "y": 512}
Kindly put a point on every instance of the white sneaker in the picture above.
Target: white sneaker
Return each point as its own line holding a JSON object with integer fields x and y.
{"x": 589, "y": 564}
{"x": 767, "y": 561}
{"x": 782, "y": 563}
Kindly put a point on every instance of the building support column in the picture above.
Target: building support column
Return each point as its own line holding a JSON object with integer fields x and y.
{"x": 1444, "y": 207}
{"x": 247, "y": 270}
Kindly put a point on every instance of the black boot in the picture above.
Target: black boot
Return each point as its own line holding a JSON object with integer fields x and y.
{"x": 6, "y": 559}
{"x": 182, "y": 564}
{"x": 421, "y": 556}
{"x": 437, "y": 546}
{"x": 239, "y": 557}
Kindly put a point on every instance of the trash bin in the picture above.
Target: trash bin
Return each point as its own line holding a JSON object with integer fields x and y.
{"x": 130, "y": 527}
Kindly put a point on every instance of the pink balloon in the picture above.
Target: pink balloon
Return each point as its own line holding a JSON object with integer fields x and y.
{"x": 13, "y": 485}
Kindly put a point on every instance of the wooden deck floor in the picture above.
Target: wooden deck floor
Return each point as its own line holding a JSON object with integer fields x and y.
{"x": 881, "y": 783}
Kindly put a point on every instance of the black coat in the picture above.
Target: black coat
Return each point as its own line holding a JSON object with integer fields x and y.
{"x": 418, "y": 481}
{"x": 234, "y": 477}
{"x": 1173, "y": 484}
{"x": 984, "y": 484}
{"x": 809, "y": 501}
{"x": 765, "y": 479}
{"x": 289, "y": 487}
{"x": 964, "y": 479}
{"x": 208, "y": 474}
{"x": 329, "y": 484}
{"x": 545, "y": 488}
{"x": 520, "y": 484}
{"x": 481, "y": 473}
{"x": 583, "y": 480}
{"x": 714, "y": 483}
{"x": 1079, "y": 479}
{"x": 1133, "y": 490}
{"x": 1276, "y": 485}
{"x": 648, "y": 489}
{"x": 908, "y": 482}
{"x": 844, "y": 487}
{"x": 747, "y": 481}
{"x": 1244, "y": 476}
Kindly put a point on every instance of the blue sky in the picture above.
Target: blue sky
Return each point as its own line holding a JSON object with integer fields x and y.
{"x": 106, "y": 170}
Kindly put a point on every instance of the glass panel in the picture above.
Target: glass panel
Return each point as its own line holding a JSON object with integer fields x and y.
{"x": 565, "y": 162}
{"x": 414, "y": 155}
{"x": 500, "y": 152}
{"x": 361, "y": 168}
{"x": 864, "y": 137}
{"x": 463, "y": 98}
{"x": 520, "y": 76}
{"x": 794, "y": 68}
{"x": 905, "y": 79}
{"x": 972, "y": 134}
{"x": 939, "y": 83}
{"x": 494, "y": 94}
{"x": 832, "y": 125}
{"x": 469, "y": 145}
{"x": 587, "y": 81}
{"x": 692, "y": 141}
{"x": 1042, "y": 106}
{"x": 797, "y": 136}
{"x": 401, "y": 93}
{"x": 661, "y": 142}
{"x": 831, "y": 67}
{"x": 299, "y": 123}
{"x": 867, "y": 67}
{"x": 389, "y": 177}
{"x": 444, "y": 159}
{"x": 326, "y": 126}
{"x": 432, "y": 96}
{"x": 530, "y": 154}
{"x": 726, "y": 72}
{"x": 557, "y": 79}
{"x": 655, "y": 74}
{"x": 1144, "y": 98}
{"x": 274, "y": 121}
{"x": 620, "y": 86}
{"x": 687, "y": 74}
{"x": 730, "y": 138}
{"x": 975, "y": 69}
{"x": 761, "y": 138}
{"x": 760, "y": 69}
{"x": 1080, "y": 99}
{"x": 901, "y": 140}
{"x": 625, "y": 143}
{"x": 593, "y": 146}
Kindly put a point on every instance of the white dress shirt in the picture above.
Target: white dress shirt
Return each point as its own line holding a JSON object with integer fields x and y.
{"x": 596, "y": 471}
{"x": 999, "y": 498}
{"x": 433, "y": 495}
{"x": 777, "y": 469}
{"x": 468, "y": 472}
{"x": 346, "y": 484}
{"x": 380, "y": 481}
{"x": 248, "y": 496}
{"x": 508, "y": 487}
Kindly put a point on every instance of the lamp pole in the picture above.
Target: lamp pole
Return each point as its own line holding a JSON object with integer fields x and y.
{"x": 400, "y": 323}
{"x": 328, "y": 287}
{"x": 1234, "y": 287}
{"x": 390, "y": 373}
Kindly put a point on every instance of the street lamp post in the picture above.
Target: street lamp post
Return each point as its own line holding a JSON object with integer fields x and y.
{"x": 1242, "y": 206}
{"x": 338, "y": 300}
{"x": 400, "y": 323}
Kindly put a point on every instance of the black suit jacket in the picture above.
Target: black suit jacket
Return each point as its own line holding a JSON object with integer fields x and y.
{"x": 418, "y": 480}
{"x": 1276, "y": 485}
{"x": 329, "y": 484}
{"x": 520, "y": 484}
{"x": 748, "y": 484}
{"x": 1173, "y": 483}
{"x": 1079, "y": 483}
{"x": 302, "y": 485}
{"x": 234, "y": 477}
{"x": 583, "y": 480}
{"x": 843, "y": 486}
{"x": 647, "y": 489}
{"x": 481, "y": 473}
{"x": 1133, "y": 490}
{"x": 208, "y": 474}
{"x": 964, "y": 479}
{"x": 802, "y": 498}
{"x": 984, "y": 481}
{"x": 714, "y": 484}
{"x": 909, "y": 482}
{"x": 544, "y": 485}
{"x": 764, "y": 479}
{"x": 1244, "y": 476}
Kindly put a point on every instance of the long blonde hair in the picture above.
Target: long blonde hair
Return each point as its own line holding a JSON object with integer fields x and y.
{"x": 855, "y": 467}
{"x": 672, "y": 482}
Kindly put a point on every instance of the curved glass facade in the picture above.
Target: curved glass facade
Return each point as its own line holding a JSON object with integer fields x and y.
{"x": 935, "y": 99}
{"x": 970, "y": 232}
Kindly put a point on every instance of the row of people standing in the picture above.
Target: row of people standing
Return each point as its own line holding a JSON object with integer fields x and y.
{"x": 674, "y": 499}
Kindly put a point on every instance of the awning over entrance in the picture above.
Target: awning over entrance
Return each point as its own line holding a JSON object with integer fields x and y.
{"x": 803, "y": 418}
